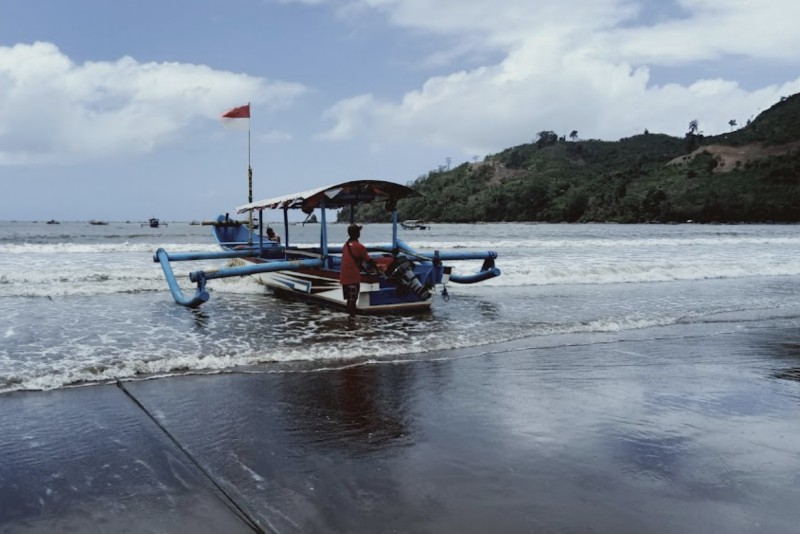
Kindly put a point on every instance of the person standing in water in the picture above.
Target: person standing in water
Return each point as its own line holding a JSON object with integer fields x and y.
{"x": 354, "y": 256}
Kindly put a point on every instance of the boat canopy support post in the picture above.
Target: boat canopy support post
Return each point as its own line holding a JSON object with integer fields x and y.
{"x": 286, "y": 226}
{"x": 260, "y": 231}
{"x": 323, "y": 232}
{"x": 394, "y": 229}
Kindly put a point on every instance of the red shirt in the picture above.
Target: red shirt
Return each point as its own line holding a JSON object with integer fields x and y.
{"x": 353, "y": 255}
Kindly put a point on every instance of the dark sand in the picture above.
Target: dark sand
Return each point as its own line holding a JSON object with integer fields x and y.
{"x": 674, "y": 432}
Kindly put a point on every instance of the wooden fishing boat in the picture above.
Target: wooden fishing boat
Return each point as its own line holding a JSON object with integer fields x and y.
{"x": 153, "y": 222}
{"x": 405, "y": 281}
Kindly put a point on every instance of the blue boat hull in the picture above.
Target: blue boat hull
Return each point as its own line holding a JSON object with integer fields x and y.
{"x": 377, "y": 293}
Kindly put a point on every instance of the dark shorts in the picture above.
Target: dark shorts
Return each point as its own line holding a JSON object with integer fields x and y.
{"x": 350, "y": 292}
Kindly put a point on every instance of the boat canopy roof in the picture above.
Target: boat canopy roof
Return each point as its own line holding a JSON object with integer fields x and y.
{"x": 336, "y": 196}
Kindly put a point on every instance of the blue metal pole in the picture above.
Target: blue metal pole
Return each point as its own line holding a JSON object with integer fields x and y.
{"x": 260, "y": 231}
{"x": 475, "y": 277}
{"x": 189, "y": 256}
{"x": 323, "y": 231}
{"x": 289, "y": 265}
{"x": 200, "y": 296}
{"x": 286, "y": 226}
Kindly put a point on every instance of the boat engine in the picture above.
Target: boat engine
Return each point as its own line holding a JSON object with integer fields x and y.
{"x": 401, "y": 272}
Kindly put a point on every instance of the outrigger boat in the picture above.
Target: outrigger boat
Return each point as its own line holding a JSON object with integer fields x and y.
{"x": 414, "y": 224}
{"x": 404, "y": 282}
{"x": 153, "y": 222}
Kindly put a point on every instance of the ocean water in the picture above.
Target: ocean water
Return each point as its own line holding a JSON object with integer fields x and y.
{"x": 85, "y": 304}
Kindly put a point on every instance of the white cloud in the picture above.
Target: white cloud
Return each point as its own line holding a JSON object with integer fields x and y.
{"x": 55, "y": 111}
{"x": 583, "y": 65}
{"x": 306, "y": 2}
{"x": 503, "y": 22}
{"x": 349, "y": 115}
{"x": 273, "y": 137}
{"x": 713, "y": 30}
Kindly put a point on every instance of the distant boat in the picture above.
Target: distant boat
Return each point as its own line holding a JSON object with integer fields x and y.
{"x": 152, "y": 222}
{"x": 414, "y": 224}
{"x": 195, "y": 223}
{"x": 97, "y": 222}
{"x": 53, "y": 221}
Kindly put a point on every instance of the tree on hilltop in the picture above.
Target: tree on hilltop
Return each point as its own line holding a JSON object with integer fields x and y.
{"x": 546, "y": 138}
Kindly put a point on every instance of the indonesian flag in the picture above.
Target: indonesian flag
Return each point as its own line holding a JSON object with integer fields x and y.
{"x": 237, "y": 117}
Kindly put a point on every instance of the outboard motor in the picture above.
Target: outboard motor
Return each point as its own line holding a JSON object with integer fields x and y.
{"x": 401, "y": 272}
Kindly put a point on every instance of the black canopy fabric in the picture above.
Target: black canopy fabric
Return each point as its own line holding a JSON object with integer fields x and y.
{"x": 337, "y": 196}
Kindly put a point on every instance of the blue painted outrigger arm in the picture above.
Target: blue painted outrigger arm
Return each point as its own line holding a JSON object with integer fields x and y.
{"x": 488, "y": 270}
{"x": 200, "y": 277}
{"x": 485, "y": 273}
{"x": 289, "y": 265}
{"x": 200, "y": 296}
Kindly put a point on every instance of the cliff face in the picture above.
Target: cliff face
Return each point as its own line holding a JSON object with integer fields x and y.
{"x": 748, "y": 175}
{"x": 730, "y": 158}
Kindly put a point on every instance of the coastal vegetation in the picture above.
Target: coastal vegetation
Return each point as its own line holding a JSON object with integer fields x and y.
{"x": 749, "y": 174}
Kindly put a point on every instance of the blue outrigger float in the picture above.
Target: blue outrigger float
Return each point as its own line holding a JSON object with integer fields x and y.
{"x": 405, "y": 281}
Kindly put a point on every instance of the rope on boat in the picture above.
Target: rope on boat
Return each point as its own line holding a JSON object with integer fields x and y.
{"x": 245, "y": 515}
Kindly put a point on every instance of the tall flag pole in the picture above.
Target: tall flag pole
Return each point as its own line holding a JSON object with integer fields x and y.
{"x": 249, "y": 180}
{"x": 233, "y": 118}
{"x": 249, "y": 168}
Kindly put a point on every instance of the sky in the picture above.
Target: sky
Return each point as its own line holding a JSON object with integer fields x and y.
{"x": 111, "y": 110}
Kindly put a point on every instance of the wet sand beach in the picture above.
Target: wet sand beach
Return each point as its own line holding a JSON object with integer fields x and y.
{"x": 677, "y": 429}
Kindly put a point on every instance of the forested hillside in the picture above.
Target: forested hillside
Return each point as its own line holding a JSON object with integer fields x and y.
{"x": 751, "y": 174}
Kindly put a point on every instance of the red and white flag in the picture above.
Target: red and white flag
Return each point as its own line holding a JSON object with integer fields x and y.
{"x": 237, "y": 117}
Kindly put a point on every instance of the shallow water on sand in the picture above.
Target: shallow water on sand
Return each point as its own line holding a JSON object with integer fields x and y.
{"x": 86, "y": 303}
{"x": 665, "y": 430}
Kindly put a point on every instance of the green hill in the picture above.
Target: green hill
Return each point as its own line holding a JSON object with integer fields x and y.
{"x": 748, "y": 175}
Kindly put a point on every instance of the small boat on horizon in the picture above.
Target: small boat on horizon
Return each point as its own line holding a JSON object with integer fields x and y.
{"x": 53, "y": 221}
{"x": 414, "y": 224}
{"x": 153, "y": 222}
{"x": 97, "y": 223}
